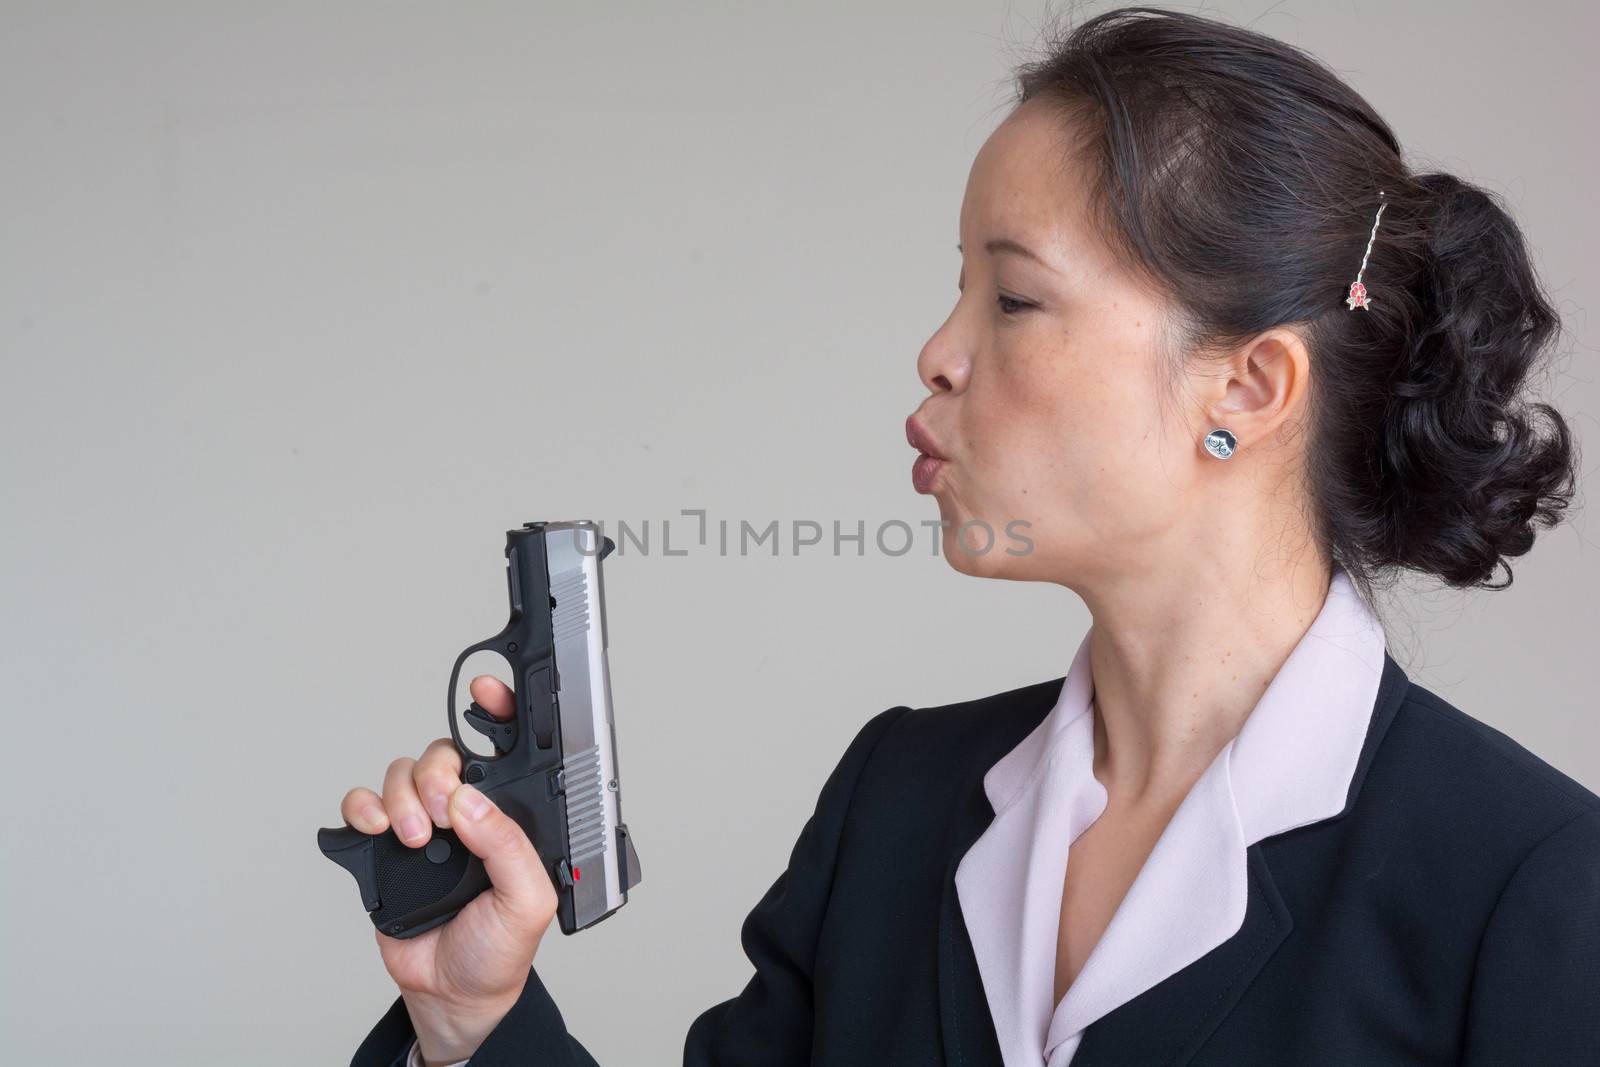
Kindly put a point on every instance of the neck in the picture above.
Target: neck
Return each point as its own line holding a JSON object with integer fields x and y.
{"x": 1180, "y": 658}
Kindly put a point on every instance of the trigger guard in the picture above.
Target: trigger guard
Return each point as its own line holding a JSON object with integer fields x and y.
{"x": 494, "y": 644}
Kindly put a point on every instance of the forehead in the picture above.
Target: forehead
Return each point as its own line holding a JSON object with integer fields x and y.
{"x": 1029, "y": 182}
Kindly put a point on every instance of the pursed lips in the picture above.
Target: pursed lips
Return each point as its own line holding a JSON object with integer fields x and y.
{"x": 921, "y": 440}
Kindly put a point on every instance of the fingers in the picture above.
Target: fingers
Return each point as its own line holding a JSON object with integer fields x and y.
{"x": 493, "y": 695}
{"x": 363, "y": 809}
{"x": 417, "y": 792}
{"x": 524, "y": 896}
{"x": 436, "y": 776}
{"x": 411, "y": 822}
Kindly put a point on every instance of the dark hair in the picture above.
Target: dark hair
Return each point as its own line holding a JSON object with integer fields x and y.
{"x": 1241, "y": 176}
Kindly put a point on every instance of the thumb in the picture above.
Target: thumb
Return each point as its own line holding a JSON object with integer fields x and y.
{"x": 523, "y": 894}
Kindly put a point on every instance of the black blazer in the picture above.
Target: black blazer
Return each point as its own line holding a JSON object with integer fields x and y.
{"x": 1449, "y": 914}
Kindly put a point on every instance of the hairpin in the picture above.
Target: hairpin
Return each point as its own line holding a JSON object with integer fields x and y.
{"x": 1358, "y": 293}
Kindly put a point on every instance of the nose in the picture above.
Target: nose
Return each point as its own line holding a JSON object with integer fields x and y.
{"x": 943, "y": 364}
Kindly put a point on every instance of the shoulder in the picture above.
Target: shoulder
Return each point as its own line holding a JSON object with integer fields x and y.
{"x": 1445, "y": 774}
{"x": 911, "y": 771}
{"x": 1471, "y": 839}
{"x": 948, "y": 746}
{"x": 1471, "y": 753}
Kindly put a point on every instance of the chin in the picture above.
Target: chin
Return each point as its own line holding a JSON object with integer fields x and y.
{"x": 993, "y": 563}
{"x": 991, "y": 549}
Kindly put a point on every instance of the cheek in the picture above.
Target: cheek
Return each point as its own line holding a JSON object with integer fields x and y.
{"x": 1073, "y": 433}
{"x": 1032, "y": 416}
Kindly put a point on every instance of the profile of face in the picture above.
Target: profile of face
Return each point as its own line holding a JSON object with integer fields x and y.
{"x": 1050, "y": 398}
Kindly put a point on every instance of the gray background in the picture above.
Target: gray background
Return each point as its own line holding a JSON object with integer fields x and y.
{"x": 303, "y": 305}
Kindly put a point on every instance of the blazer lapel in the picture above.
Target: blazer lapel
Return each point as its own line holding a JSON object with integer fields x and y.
{"x": 969, "y": 1030}
{"x": 1010, "y": 740}
{"x": 1169, "y": 1022}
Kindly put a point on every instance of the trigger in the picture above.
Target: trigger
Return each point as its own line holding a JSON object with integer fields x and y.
{"x": 502, "y": 734}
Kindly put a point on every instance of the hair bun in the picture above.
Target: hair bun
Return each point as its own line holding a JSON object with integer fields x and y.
{"x": 1467, "y": 470}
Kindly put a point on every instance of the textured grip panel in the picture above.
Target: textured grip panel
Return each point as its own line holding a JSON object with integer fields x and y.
{"x": 408, "y": 881}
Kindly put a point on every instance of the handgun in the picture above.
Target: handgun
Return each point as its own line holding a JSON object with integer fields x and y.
{"x": 554, "y": 768}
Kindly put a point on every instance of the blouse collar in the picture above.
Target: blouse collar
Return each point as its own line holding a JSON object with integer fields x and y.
{"x": 1290, "y": 765}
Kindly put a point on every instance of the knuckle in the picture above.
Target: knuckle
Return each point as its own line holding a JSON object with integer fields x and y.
{"x": 441, "y": 754}
{"x": 434, "y": 784}
{"x": 436, "y": 772}
{"x": 435, "y": 796}
{"x": 543, "y": 908}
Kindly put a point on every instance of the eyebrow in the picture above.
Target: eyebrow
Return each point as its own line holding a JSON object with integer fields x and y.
{"x": 996, "y": 245}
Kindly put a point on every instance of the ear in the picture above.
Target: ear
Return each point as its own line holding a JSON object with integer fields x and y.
{"x": 1254, "y": 389}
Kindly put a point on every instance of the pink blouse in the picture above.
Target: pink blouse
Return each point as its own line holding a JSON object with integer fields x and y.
{"x": 1291, "y": 764}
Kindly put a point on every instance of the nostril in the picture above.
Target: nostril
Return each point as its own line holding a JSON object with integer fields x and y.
{"x": 941, "y": 381}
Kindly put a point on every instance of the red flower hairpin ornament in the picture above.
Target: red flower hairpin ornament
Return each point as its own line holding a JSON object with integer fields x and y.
{"x": 1358, "y": 293}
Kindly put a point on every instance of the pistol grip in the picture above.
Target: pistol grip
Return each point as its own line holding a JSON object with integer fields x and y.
{"x": 407, "y": 890}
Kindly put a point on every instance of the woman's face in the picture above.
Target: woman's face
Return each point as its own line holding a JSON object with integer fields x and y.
{"x": 1046, "y": 381}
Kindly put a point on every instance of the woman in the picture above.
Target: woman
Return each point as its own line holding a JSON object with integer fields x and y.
{"x": 1230, "y": 361}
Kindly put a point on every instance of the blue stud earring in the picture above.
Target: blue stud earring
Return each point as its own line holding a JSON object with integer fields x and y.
{"x": 1220, "y": 443}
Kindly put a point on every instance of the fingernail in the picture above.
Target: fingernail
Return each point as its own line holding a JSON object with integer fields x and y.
{"x": 373, "y": 816}
{"x": 410, "y": 827}
{"x": 474, "y": 805}
{"x": 439, "y": 808}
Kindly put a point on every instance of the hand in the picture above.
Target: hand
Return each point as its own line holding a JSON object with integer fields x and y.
{"x": 460, "y": 979}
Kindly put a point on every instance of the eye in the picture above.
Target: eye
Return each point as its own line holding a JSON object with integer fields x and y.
{"x": 1010, "y": 305}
